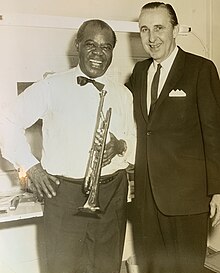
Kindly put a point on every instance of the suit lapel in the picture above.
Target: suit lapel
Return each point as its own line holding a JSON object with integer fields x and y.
{"x": 174, "y": 75}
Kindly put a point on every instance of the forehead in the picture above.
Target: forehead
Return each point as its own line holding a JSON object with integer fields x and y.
{"x": 99, "y": 35}
{"x": 152, "y": 17}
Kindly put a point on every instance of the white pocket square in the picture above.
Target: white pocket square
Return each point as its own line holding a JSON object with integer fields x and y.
{"x": 177, "y": 93}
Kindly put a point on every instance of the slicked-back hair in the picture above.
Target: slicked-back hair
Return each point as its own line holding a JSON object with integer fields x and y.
{"x": 95, "y": 23}
{"x": 168, "y": 7}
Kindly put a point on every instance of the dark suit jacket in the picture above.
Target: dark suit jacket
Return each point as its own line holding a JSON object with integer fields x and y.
{"x": 178, "y": 145}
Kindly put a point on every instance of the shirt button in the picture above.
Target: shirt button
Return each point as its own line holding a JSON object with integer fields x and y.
{"x": 149, "y": 133}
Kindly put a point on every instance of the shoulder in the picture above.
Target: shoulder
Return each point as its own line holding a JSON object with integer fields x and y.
{"x": 141, "y": 65}
{"x": 195, "y": 59}
{"x": 138, "y": 74}
{"x": 60, "y": 76}
{"x": 52, "y": 83}
{"x": 194, "y": 64}
{"x": 201, "y": 67}
{"x": 117, "y": 88}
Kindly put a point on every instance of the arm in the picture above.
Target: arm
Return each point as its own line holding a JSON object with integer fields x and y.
{"x": 209, "y": 110}
{"x": 27, "y": 108}
{"x": 123, "y": 146}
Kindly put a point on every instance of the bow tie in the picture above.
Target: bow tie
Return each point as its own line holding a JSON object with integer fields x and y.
{"x": 83, "y": 81}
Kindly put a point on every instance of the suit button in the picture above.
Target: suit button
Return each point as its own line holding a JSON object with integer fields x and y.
{"x": 149, "y": 133}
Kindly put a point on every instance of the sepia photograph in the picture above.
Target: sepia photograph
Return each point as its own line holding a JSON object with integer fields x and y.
{"x": 109, "y": 136}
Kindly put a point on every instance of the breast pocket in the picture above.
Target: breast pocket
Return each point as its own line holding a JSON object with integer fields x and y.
{"x": 178, "y": 112}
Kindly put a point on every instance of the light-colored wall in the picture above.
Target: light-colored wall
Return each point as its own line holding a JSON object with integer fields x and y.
{"x": 22, "y": 246}
{"x": 194, "y": 13}
{"x": 20, "y": 54}
{"x": 215, "y": 32}
{"x": 26, "y": 53}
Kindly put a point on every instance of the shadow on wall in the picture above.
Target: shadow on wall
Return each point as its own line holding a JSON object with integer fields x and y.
{"x": 72, "y": 53}
{"x": 136, "y": 50}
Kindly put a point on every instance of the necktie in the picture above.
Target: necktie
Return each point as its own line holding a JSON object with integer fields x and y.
{"x": 83, "y": 81}
{"x": 154, "y": 87}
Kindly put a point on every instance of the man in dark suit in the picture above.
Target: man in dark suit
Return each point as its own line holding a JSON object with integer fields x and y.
{"x": 177, "y": 172}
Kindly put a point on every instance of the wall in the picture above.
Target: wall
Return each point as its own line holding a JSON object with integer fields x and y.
{"x": 215, "y": 37}
{"x": 19, "y": 54}
{"x": 194, "y": 13}
{"x": 22, "y": 247}
{"x": 26, "y": 53}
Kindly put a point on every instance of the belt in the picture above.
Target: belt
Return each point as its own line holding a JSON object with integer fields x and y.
{"x": 102, "y": 180}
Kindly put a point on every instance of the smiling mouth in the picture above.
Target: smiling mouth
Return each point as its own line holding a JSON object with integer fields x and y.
{"x": 154, "y": 46}
{"x": 95, "y": 63}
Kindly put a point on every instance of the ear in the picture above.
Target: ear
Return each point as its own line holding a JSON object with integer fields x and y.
{"x": 175, "y": 31}
{"x": 77, "y": 45}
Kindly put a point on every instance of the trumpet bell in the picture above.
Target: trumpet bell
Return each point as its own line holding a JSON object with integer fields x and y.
{"x": 89, "y": 211}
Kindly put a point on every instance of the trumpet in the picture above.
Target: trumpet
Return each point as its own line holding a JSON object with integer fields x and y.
{"x": 94, "y": 165}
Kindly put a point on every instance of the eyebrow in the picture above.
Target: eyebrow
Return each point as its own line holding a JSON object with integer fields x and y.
{"x": 158, "y": 25}
{"x": 90, "y": 40}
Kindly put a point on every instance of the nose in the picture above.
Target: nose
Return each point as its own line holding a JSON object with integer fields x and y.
{"x": 98, "y": 50}
{"x": 152, "y": 36}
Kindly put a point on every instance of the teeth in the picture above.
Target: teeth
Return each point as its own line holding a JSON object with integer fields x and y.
{"x": 95, "y": 61}
{"x": 154, "y": 46}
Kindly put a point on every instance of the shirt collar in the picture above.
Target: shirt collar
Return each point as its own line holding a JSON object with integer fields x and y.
{"x": 78, "y": 72}
{"x": 166, "y": 64}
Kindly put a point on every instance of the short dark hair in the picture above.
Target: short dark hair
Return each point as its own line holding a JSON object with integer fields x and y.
{"x": 96, "y": 23}
{"x": 168, "y": 7}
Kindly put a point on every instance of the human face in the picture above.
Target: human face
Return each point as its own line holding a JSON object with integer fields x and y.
{"x": 95, "y": 51}
{"x": 157, "y": 33}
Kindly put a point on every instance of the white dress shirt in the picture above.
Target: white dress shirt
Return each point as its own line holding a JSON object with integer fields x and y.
{"x": 164, "y": 71}
{"x": 69, "y": 114}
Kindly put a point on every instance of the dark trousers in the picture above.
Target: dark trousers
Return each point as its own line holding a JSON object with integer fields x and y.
{"x": 169, "y": 244}
{"x": 81, "y": 244}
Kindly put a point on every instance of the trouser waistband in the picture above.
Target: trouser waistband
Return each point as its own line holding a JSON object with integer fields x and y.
{"x": 102, "y": 180}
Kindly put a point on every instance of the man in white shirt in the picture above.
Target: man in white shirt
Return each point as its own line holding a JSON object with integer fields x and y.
{"x": 67, "y": 105}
